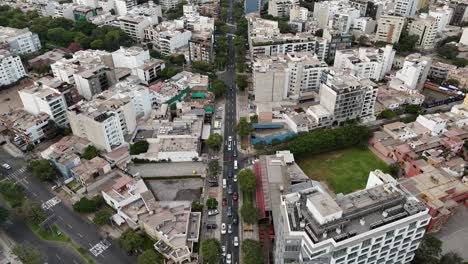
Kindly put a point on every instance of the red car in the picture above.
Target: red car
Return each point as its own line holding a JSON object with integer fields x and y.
{"x": 235, "y": 196}
{"x": 224, "y": 201}
{"x": 229, "y": 157}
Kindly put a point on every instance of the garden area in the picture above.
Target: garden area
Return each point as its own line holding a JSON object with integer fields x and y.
{"x": 344, "y": 170}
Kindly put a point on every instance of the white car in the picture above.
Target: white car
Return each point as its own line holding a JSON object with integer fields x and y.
{"x": 236, "y": 241}
{"x": 229, "y": 228}
{"x": 224, "y": 250}
{"x": 235, "y": 177}
{"x": 213, "y": 212}
{"x": 230, "y": 138}
{"x": 6, "y": 166}
{"x": 228, "y": 259}
{"x": 223, "y": 228}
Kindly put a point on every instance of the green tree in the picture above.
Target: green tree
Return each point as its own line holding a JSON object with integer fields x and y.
{"x": 413, "y": 109}
{"x": 429, "y": 250}
{"x": 453, "y": 82}
{"x": 211, "y": 251}
{"x": 244, "y": 128}
{"x": 241, "y": 82}
{"x": 460, "y": 62}
{"x": 148, "y": 256}
{"x": 85, "y": 27}
{"x": 13, "y": 193}
{"x": 56, "y": 35}
{"x": 4, "y": 214}
{"x": 247, "y": 180}
{"x": 139, "y": 147}
{"x": 451, "y": 258}
{"x": 90, "y": 152}
{"x": 213, "y": 167}
{"x": 219, "y": 88}
{"x": 251, "y": 252}
{"x": 102, "y": 217}
{"x": 387, "y": 114}
{"x": 85, "y": 205}
{"x": 197, "y": 207}
{"x": 31, "y": 212}
{"x": 448, "y": 51}
{"x": 249, "y": 213}
{"x": 168, "y": 72}
{"x": 17, "y": 23}
{"x": 319, "y": 33}
{"x": 394, "y": 169}
{"x": 362, "y": 40}
{"x": 42, "y": 169}
{"x": 211, "y": 203}
{"x": 284, "y": 27}
{"x": 29, "y": 255}
{"x": 130, "y": 240}
{"x": 215, "y": 141}
{"x": 407, "y": 42}
{"x": 97, "y": 44}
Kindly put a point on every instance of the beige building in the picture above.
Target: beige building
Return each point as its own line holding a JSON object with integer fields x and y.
{"x": 425, "y": 27}
{"x": 461, "y": 75}
{"x": 389, "y": 28}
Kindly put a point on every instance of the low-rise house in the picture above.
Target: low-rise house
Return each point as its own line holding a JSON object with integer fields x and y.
{"x": 26, "y": 128}
{"x": 88, "y": 170}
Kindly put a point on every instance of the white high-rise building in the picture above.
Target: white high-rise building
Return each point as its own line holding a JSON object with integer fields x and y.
{"x": 298, "y": 13}
{"x": 324, "y": 11}
{"x": 19, "y": 41}
{"x": 123, "y": 6}
{"x": 405, "y": 8}
{"x": 344, "y": 18}
{"x": 134, "y": 25}
{"x": 281, "y": 8}
{"x": 380, "y": 224}
{"x": 42, "y": 99}
{"x": 389, "y": 28}
{"x": 139, "y": 95}
{"x": 289, "y": 76}
{"x": 168, "y": 36}
{"x": 11, "y": 68}
{"x": 366, "y": 63}
{"x": 168, "y": 4}
{"x": 425, "y": 27}
{"x": 413, "y": 74}
{"x": 442, "y": 15}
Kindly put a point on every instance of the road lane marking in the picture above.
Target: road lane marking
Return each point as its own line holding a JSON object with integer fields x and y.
{"x": 61, "y": 218}
{"x": 58, "y": 257}
{"x": 69, "y": 226}
{"x": 80, "y": 235}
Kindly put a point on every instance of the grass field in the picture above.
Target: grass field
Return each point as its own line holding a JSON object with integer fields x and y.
{"x": 345, "y": 171}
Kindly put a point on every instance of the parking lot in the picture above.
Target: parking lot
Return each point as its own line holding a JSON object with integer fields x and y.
{"x": 176, "y": 190}
{"x": 454, "y": 234}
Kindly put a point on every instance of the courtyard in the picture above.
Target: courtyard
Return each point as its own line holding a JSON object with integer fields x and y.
{"x": 344, "y": 171}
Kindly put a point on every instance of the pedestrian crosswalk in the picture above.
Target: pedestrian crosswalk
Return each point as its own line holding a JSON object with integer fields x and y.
{"x": 97, "y": 249}
{"x": 18, "y": 176}
{"x": 51, "y": 203}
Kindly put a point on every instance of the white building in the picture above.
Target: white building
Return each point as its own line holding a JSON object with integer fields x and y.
{"x": 324, "y": 11}
{"x": 289, "y": 76}
{"x": 20, "y": 41}
{"x": 149, "y": 9}
{"x": 42, "y": 99}
{"x": 366, "y": 25}
{"x": 122, "y": 6}
{"x": 134, "y": 25}
{"x": 442, "y": 15}
{"x": 139, "y": 95}
{"x": 26, "y": 127}
{"x": 405, "y": 8}
{"x": 11, "y": 68}
{"x": 366, "y": 63}
{"x": 168, "y": 36}
{"x": 425, "y": 27}
{"x": 56, "y": 10}
{"x": 103, "y": 121}
{"x": 298, "y": 13}
{"x": 168, "y": 4}
{"x": 389, "y": 28}
{"x": 436, "y": 123}
{"x": 464, "y": 37}
{"x": 381, "y": 224}
{"x": 281, "y": 8}
{"x": 344, "y": 18}
{"x": 413, "y": 74}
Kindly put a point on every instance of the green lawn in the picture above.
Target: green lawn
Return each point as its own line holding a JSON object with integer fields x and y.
{"x": 345, "y": 171}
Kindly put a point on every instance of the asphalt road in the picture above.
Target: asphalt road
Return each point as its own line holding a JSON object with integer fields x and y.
{"x": 230, "y": 153}
{"x": 83, "y": 233}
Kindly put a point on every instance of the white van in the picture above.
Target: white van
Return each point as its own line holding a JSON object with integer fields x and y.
{"x": 235, "y": 164}
{"x": 224, "y": 183}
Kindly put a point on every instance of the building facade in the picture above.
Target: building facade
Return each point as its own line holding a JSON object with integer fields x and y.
{"x": 11, "y": 68}
{"x": 389, "y": 28}
{"x": 19, "y": 41}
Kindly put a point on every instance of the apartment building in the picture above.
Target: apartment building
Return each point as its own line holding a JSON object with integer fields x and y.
{"x": 168, "y": 4}
{"x": 93, "y": 80}
{"x": 336, "y": 41}
{"x": 380, "y": 224}
{"x": 103, "y": 121}
{"x": 425, "y": 27}
{"x": 366, "y": 63}
{"x": 19, "y": 41}
{"x": 344, "y": 18}
{"x": 148, "y": 9}
{"x": 405, "y": 8}
{"x": 413, "y": 74}
{"x": 346, "y": 97}
{"x": 134, "y": 25}
{"x": 43, "y": 99}
{"x": 201, "y": 47}
{"x": 289, "y": 76}
{"x": 461, "y": 75}
{"x": 281, "y": 8}
{"x": 138, "y": 94}
{"x": 26, "y": 127}
{"x": 122, "y": 6}
{"x": 440, "y": 70}
{"x": 11, "y": 68}
{"x": 389, "y": 28}
{"x": 167, "y": 37}
{"x": 364, "y": 25}
{"x": 56, "y": 9}
{"x": 460, "y": 12}
{"x": 368, "y": 8}
{"x": 85, "y": 12}
{"x": 442, "y": 15}
{"x": 324, "y": 11}
{"x": 298, "y": 13}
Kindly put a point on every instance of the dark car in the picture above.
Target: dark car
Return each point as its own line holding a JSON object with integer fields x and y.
{"x": 211, "y": 226}
{"x": 229, "y": 211}
{"x": 234, "y": 153}
{"x": 235, "y": 196}
{"x": 224, "y": 201}
{"x": 230, "y": 189}
{"x": 230, "y": 174}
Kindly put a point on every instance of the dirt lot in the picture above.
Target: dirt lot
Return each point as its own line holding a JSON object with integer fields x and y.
{"x": 176, "y": 190}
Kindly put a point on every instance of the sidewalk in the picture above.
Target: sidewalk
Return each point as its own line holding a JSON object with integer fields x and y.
{"x": 6, "y": 247}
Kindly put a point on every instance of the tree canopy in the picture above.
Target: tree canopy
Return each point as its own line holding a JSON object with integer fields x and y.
{"x": 219, "y": 88}
{"x": 211, "y": 203}
{"x": 13, "y": 193}
{"x": 31, "y": 212}
{"x": 4, "y": 213}
{"x": 85, "y": 205}
{"x": 211, "y": 251}
{"x": 90, "y": 152}
{"x": 429, "y": 250}
{"x": 102, "y": 217}
{"x": 42, "y": 169}
{"x": 139, "y": 147}
{"x": 251, "y": 252}
{"x": 148, "y": 256}
{"x": 130, "y": 240}
{"x": 214, "y": 168}
{"x": 215, "y": 141}
{"x": 244, "y": 128}
{"x": 249, "y": 213}
{"x": 247, "y": 180}
{"x": 241, "y": 82}
{"x": 407, "y": 43}
{"x": 29, "y": 255}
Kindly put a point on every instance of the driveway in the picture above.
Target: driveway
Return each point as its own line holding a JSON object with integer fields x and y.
{"x": 454, "y": 234}
{"x": 153, "y": 170}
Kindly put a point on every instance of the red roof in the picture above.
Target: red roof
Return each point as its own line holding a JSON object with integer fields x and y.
{"x": 259, "y": 191}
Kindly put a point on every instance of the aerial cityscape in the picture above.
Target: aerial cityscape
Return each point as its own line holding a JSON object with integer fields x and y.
{"x": 233, "y": 131}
